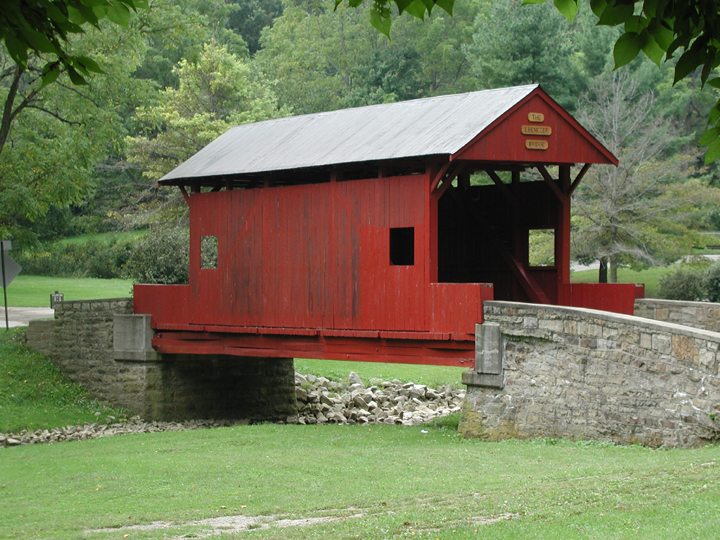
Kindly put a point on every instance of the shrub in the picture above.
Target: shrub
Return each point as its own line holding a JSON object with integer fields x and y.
{"x": 687, "y": 282}
{"x": 87, "y": 259}
{"x": 712, "y": 282}
{"x": 161, "y": 257}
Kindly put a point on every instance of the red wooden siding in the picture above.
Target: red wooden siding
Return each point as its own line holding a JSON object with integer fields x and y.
{"x": 504, "y": 141}
{"x": 310, "y": 270}
{"x": 312, "y": 256}
{"x": 617, "y": 297}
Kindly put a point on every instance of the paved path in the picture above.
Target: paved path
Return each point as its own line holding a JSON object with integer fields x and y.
{"x": 21, "y": 316}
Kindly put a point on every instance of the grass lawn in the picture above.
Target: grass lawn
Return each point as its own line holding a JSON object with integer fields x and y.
{"x": 433, "y": 376}
{"x": 365, "y": 481}
{"x": 105, "y": 237}
{"x": 34, "y": 394}
{"x": 377, "y": 481}
{"x": 650, "y": 277}
{"x": 34, "y": 291}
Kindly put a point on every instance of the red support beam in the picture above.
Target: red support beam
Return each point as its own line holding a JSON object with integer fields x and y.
{"x": 562, "y": 235}
{"x": 579, "y": 177}
{"x": 185, "y": 195}
{"x": 550, "y": 181}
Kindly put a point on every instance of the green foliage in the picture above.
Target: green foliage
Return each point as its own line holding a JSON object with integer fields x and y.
{"x": 161, "y": 257}
{"x": 43, "y": 28}
{"x": 381, "y": 11}
{"x": 512, "y": 47}
{"x": 685, "y": 282}
{"x": 711, "y": 282}
{"x": 94, "y": 259}
{"x": 35, "y": 395}
{"x": 662, "y": 29}
{"x": 324, "y": 60}
{"x": 52, "y": 138}
{"x": 251, "y": 17}
{"x": 216, "y": 92}
{"x": 644, "y": 211}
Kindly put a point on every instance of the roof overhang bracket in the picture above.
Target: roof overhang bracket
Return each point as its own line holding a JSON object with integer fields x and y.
{"x": 579, "y": 177}
{"x": 438, "y": 176}
{"x": 549, "y": 180}
{"x": 185, "y": 194}
{"x": 501, "y": 185}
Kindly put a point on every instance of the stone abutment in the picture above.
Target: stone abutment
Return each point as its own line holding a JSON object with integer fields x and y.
{"x": 79, "y": 341}
{"x": 549, "y": 371}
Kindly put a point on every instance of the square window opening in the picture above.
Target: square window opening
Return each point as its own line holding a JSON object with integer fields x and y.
{"x": 541, "y": 247}
{"x": 402, "y": 246}
{"x": 208, "y": 252}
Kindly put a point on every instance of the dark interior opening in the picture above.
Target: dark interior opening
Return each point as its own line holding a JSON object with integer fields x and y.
{"x": 402, "y": 246}
{"x": 483, "y": 236}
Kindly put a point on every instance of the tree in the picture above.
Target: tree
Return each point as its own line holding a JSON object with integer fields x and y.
{"x": 250, "y": 17}
{"x": 60, "y": 132}
{"x": 43, "y": 28}
{"x": 215, "y": 93}
{"x": 634, "y": 213}
{"x": 381, "y": 12}
{"x": 512, "y": 47}
{"x": 324, "y": 60}
{"x": 659, "y": 29}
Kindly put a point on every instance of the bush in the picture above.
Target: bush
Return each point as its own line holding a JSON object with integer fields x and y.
{"x": 687, "y": 282}
{"x": 88, "y": 259}
{"x": 161, "y": 257}
{"x": 712, "y": 283}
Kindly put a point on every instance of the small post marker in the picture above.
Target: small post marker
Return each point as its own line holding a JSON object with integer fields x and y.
{"x": 9, "y": 269}
{"x": 4, "y": 285}
{"x": 56, "y": 298}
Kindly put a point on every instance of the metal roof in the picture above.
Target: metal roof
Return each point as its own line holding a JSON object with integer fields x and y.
{"x": 420, "y": 127}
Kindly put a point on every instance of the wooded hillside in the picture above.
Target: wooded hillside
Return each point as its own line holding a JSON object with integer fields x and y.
{"x": 84, "y": 158}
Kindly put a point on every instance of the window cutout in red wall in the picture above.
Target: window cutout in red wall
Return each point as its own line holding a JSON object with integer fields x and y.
{"x": 402, "y": 246}
{"x": 541, "y": 248}
{"x": 208, "y": 252}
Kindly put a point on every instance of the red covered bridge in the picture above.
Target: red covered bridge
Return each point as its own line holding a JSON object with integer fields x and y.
{"x": 361, "y": 233}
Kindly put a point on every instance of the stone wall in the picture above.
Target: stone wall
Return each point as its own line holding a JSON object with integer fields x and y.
{"x": 580, "y": 373}
{"x": 173, "y": 387}
{"x": 697, "y": 314}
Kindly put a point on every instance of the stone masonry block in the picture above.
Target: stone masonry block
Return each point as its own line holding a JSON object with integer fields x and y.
{"x": 132, "y": 338}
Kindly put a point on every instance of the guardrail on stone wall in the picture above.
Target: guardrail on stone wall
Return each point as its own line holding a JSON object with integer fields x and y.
{"x": 580, "y": 373}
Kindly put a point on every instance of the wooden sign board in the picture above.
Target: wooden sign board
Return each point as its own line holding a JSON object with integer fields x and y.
{"x": 536, "y": 117}
{"x": 532, "y": 144}
{"x": 545, "y": 131}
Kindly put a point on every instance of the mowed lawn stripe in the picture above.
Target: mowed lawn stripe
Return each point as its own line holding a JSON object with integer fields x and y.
{"x": 402, "y": 481}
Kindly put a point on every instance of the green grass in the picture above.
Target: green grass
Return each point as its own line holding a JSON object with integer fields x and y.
{"x": 399, "y": 481}
{"x": 419, "y": 482}
{"x": 337, "y": 370}
{"x": 34, "y": 291}
{"x": 105, "y": 237}
{"x": 34, "y": 394}
{"x": 650, "y": 277}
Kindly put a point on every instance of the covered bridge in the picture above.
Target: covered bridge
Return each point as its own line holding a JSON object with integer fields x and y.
{"x": 376, "y": 233}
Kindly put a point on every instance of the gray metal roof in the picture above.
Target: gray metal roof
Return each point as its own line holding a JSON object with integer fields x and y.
{"x": 420, "y": 127}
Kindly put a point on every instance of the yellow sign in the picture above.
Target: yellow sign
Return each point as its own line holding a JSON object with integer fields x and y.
{"x": 536, "y": 117}
{"x": 536, "y": 130}
{"x": 532, "y": 144}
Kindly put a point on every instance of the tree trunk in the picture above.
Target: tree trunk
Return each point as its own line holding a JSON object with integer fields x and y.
{"x": 613, "y": 270}
{"x": 602, "y": 270}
